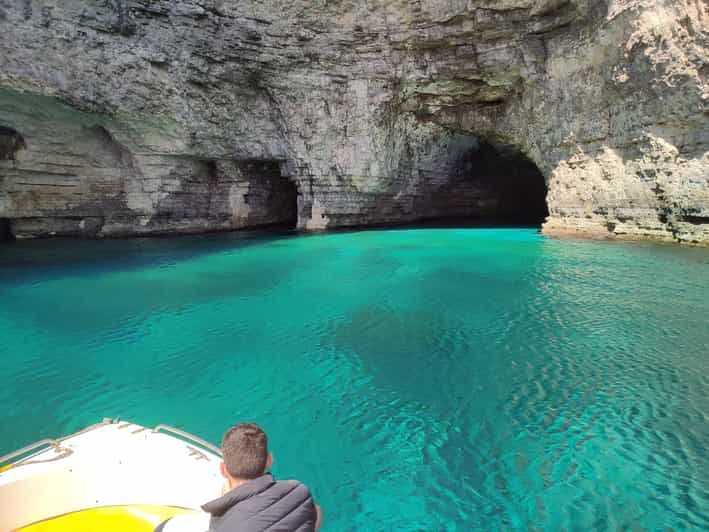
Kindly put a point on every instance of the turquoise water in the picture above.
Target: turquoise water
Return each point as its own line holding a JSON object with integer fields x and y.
{"x": 433, "y": 379}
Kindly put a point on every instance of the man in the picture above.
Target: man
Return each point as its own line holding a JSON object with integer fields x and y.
{"x": 252, "y": 500}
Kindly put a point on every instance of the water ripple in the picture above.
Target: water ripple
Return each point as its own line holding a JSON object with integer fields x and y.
{"x": 416, "y": 380}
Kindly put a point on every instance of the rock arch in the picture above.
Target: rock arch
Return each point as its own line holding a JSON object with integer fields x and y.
{"x": 484, "y": 179}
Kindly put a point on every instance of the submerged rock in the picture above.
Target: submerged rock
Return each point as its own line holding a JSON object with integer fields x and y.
{"x": 135, "y": 116}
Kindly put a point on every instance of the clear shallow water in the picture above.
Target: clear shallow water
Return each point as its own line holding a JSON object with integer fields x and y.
{"x": 415, "y": 379}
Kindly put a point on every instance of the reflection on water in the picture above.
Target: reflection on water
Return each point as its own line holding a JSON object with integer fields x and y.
{"x": 415, "y": 379}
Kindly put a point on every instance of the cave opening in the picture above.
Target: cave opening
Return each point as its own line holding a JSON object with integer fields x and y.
{"x": 11, "y": 142}
{"x": 272, "y": 197}
{"x": 491, "y": 184}
{"x": 5, "y": 230}
{"x": 284, "y": 202}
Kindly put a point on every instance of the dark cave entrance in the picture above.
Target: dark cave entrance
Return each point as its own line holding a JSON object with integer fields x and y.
{"x": 5, "y": 230}
{"x": 11, "y": 142}
{"x": 489, "y": 183}
{"x": 283, "y": 198}
{"x": 272, "y": 197}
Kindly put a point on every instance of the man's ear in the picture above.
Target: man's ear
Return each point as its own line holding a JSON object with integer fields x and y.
{"x": 223, "y": 471}
{"x": 269, "y": 461}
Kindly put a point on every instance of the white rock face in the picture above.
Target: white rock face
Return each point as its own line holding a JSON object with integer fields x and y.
{"x": 138, "y": 116}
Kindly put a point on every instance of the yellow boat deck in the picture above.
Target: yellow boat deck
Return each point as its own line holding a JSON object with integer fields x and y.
{"x": 110, "y": 476}
{"x": 130, "y": 518}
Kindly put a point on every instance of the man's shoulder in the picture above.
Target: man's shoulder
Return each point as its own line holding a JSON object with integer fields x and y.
{"x": 292, "y": 484}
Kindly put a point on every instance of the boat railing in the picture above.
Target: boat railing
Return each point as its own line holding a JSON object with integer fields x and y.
{"x": 32, "y": 448}
{"x": 27, "y": 452}
{"x": 189, "y": 437}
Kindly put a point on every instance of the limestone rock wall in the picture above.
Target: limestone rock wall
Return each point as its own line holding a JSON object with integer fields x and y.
{"x": 144, "y": 116}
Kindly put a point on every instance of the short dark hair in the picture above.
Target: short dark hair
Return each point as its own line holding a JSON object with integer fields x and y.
{"x": 245, "y": 450}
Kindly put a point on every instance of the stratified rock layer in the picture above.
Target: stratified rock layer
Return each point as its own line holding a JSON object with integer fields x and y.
{"x": 136, "y": 116}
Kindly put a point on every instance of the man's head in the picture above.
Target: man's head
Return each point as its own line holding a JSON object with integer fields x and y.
{"x": 245, "y": 450}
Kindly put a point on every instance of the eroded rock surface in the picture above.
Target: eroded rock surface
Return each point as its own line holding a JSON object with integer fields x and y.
{"x": 150, "y": 116}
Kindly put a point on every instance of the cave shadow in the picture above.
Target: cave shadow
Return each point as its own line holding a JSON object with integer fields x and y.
{"x": 6, "y": 230}
{"x": 285, "y": 202}
{"x": 515, "y": 182}
{"x": 272, "y": 197}
{"x": 479, "y": 183}
{"x": 11, "y": 142}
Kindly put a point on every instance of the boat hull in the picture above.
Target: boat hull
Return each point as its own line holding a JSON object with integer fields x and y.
{"x": 111, "y": 464}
